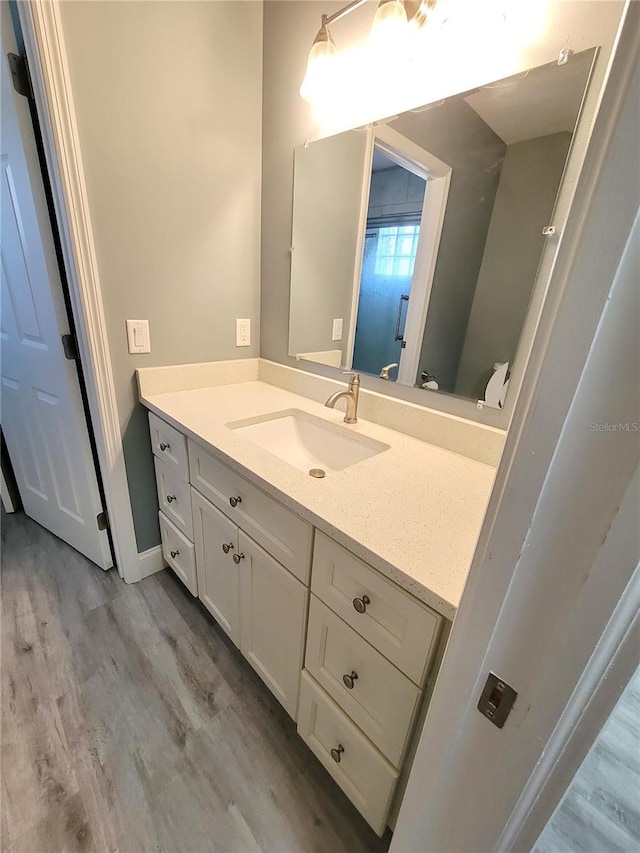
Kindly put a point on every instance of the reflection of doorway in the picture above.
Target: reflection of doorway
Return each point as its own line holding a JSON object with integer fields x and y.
{"x": 394, "y": 212}
{"x": 408, "y": 192}
{"x": 385, "y": 286}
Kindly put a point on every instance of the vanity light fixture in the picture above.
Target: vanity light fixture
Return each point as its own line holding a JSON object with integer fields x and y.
{"x": 389, "y": 31}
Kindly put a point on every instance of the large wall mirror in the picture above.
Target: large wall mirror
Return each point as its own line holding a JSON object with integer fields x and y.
{"x": 416, "y": 242}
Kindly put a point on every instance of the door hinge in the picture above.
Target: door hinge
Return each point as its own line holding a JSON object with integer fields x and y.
{"x": 70, "y": 347}
{"x": 20, "y": 75}
{"x": 103, "y": 520}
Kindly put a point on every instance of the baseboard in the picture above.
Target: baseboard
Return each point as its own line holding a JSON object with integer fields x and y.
{"x": 151, "y": 561}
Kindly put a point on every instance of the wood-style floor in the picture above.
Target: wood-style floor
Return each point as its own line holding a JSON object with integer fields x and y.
{"x": 600, "y": 812}
{"x": 130, "y": 723}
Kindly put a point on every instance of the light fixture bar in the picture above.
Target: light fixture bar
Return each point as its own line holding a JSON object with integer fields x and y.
{"x": 329, "y": 19}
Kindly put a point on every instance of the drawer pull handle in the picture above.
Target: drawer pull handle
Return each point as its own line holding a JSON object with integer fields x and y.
{"x": 174, "y": 554}
{"x": 235, "y": 501}
{"x": 171, "y": 499}
{"x": 164, "y": 446}
{"x": 336, "y": 753}
{"x": 350, "y": 680}
{"x": 360, "y": 604}
{"x": 227, "y": 547}
{"x": 237, "y": 558}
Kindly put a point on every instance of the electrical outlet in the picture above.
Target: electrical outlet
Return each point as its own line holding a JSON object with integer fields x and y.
{"x": 243, "y": 333}
{"x": 337, "y": 330}
{"x": 138, "y": 336}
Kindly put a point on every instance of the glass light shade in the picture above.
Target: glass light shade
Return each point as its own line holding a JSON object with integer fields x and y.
{"x": 389, "y": 27}
{"x": 319, "y": 67}
{"x": 420, "y": 19}
{"x": 424, "y": 32}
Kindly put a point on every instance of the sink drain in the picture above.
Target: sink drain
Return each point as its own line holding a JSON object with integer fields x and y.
{"x": 319, "y": 473}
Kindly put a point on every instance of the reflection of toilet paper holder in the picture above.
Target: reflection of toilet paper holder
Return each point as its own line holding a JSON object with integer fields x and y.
{"x": 496, "y": 389}
{"x": 429, "y": 381}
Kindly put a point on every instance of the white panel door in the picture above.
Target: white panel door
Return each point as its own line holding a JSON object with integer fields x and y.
{"x": 42, "y": 414}
{"x": 272, "y": 618}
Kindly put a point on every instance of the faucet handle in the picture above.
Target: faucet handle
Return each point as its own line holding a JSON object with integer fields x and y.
{"x": 355, "y": 377}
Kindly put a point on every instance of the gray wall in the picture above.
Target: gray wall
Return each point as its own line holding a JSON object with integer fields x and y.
{"x": 456, "y": 134}
{"x": 168, "y": 103}
{"x": 524, "y": 204}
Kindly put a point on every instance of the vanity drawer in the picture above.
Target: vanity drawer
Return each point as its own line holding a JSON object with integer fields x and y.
{"x": 381, "y": 700}
{"x": 362, "y": 772}
{"x": 174, "y": 496}
{"x": 179, "y": 553}
{"x": 169, "y": 445}
{"x": 278, "y": 530}
{"x": 398, "y": 625}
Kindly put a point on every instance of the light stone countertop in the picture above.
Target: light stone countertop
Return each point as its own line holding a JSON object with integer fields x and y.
{"x": 414, "y": 511}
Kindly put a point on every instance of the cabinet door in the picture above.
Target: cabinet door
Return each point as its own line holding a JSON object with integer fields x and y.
{"x": 174, "y": 497}
{"x": 379, "y": 698}
{"x": 362, "y": 772}
{"x": 281, "y": 532}
{"x": 273, "y": 618}
{"x": 179, "y": 552}
{"x": 218, "y": 574}
{"x": 169, "y": 445}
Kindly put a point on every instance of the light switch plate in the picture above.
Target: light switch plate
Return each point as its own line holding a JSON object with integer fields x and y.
{"x": 337, "y": 330}
{"x": 138, "y": 336}
{"x": 243, "y": 333}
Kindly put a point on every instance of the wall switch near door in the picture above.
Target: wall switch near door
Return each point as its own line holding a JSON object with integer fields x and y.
{"x": 243, "y": 333}
{"x": 138, "y": 336}
{"x": 337, "y": 330}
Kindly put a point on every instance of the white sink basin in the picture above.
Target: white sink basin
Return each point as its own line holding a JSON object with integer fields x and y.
{"x": 307, "y": 442}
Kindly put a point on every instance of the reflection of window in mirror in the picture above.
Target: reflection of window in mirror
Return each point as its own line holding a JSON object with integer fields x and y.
{"x": 396, "y": 250}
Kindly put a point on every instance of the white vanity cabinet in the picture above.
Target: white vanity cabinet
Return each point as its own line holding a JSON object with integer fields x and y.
{"x": 349, "y": 660}
{"x": 257, "y": 602}
{"x": 216, "y": 541}
{"x": 369, "y": 648}
{"x": 273, "y": 620}
{"x": 179, "y": 552}
{"x": 241, "y": 552}
{"x": 174, "y": 498}
{"x": 280, "y": 532}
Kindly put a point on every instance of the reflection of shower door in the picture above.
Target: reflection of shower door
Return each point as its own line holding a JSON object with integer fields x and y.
{"x": 385, "y": 285}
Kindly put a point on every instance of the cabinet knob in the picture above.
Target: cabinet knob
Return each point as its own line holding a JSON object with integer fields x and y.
{"x": 227, "y": 547}
{"x": 235, "y": 501}
{"x": 171, "y": 499}
{"x": 360, "y": 604}
{"x": 336, "y": 753}
{"x": 174, "y": 554}
{"x": 164, "y": 446}
{"x": 237, "y": 558}
{"x": 350, "y": 680}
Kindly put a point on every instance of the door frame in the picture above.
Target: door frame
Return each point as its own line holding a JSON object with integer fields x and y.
{"x": 437, "y": 173}
{"x": 48, "y": 66}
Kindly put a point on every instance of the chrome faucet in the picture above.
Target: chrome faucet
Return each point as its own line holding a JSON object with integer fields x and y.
{"x": 351, "y": 398}
{"x": 384, "y": 373}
